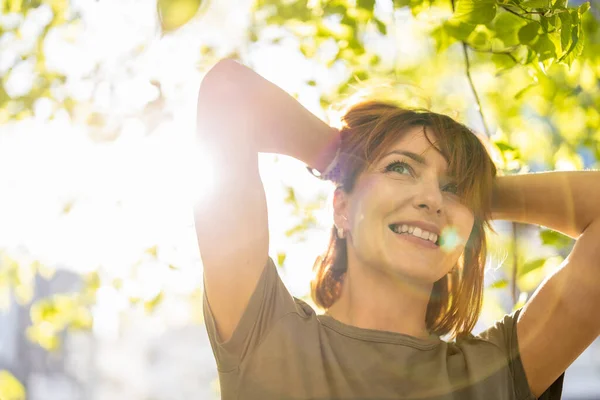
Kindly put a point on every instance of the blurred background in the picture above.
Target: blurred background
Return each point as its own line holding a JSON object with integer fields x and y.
{"x": 100, "y": 274}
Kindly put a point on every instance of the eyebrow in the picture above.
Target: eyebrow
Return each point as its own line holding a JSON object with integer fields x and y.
{"x": 418, "y": 158}
{"x": 414, "y": 156}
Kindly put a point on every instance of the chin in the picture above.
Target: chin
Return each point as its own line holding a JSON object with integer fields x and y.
{"x": 423, "y": 276}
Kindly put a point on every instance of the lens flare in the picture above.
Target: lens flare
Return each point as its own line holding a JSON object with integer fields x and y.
{"x": 450, "y": 239}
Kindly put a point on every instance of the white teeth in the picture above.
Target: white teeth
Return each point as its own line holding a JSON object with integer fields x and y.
{"x": 415, "y": 231}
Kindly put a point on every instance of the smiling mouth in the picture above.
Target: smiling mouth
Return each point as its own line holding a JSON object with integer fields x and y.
{"x": 415, "y": 232}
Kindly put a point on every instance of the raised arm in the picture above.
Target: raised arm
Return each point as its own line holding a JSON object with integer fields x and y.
{"x": 566, "y": 202}
{"x": 239, "y": 115}
{"x": 562, "y": 318}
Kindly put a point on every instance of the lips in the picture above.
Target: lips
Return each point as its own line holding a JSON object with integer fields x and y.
{"x": 415, "y": 232}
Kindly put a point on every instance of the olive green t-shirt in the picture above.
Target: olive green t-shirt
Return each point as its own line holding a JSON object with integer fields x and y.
{"x": 281, "y": 349}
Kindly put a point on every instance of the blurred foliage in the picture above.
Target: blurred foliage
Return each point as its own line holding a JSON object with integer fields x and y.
{"x": 53, "y": 315}
{"x": 534, "y": 65}
{"x": 10, "y": 387}
{"x": 46, "y": 81}
{"x": 305, "y": 211}
{"x": 173, "y": 14}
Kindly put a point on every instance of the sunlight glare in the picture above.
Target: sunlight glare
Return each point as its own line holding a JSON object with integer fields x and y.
{"x": 199, "y": 172}
{"x": 450, "y": 239}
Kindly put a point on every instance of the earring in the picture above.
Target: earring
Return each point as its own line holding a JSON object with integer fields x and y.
{"x": 340, "y": 233}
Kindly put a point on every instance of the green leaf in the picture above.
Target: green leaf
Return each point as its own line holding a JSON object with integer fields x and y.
{"x": 458, "y": 29}
{"x": 173, "y": 14}
{"x": 480, "y": 38}
{"x": 521, "y": 92}
{"x": 442, "y": 38}
{"x": 544, "y": 47}
{"x": 577, "y": 40}
{"x": 549, "y": 23}
{"x": 416, "y": 6}
{"x": 531, "y": 266}
{"x": 584, "y": 8}
{"x": 555, "y": 38}
{"x": 529, "y": 32}
{"x": 12, "y": 6}
{"x": 335, "y": 8}
{"x": 500, "y": 284}
{"x": 555, "y": 239}
{"x": 281, "y": 259}
{"x": 381, "y": 27}
{"x": 503, "y": 146}
{"x": 402, "y": 3}
{"x": 360, "y": 75}
{"x": 506, "y": 28}
{"x": 560, "y": 4}
{"x": 308, "y": 49}
{"x": 150, "y": 305}
{"x": 565, "y": 29}
{"x": 536, "y": 3}
{"x": 374, "y": 60}
{"x": 475, "y": 11}
{"x": 366, "y": 4}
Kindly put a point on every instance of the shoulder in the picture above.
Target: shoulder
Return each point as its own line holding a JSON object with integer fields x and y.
{"x": 304, "y": 309}
{"x": 493, "y": 355}
{"x": 500, "y": 337}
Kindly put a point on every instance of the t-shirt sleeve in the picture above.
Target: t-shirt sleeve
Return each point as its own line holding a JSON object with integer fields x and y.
{"x": 504, "y": 335}
{"x": 269, "y": 302}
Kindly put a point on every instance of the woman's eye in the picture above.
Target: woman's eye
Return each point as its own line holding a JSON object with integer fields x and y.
{"x": 400, "y": 167}
{"x": 451, "y": 188}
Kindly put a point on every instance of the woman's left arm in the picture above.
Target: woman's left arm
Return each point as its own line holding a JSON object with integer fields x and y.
{"x": 567, "y": 202}
{"x": 562, "y": 318}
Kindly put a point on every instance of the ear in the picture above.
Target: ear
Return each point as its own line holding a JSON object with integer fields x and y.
{"x": 340, "y": 209}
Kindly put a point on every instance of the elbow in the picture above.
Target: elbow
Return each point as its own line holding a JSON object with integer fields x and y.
{"x": 220, "y": 80}
{"x": 219, "y": 98}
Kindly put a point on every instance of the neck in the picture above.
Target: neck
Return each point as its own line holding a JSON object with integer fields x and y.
{"x": 372, "y": 299}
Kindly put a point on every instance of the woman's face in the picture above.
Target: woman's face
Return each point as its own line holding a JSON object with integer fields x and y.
{"x": 408, "y": 190}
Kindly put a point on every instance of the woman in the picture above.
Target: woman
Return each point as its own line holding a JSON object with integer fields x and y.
{"x": 405, "y": 262}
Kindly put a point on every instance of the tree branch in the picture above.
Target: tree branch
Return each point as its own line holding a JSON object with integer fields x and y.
{"x": 470, "y": 79}
{"x": 507, "y": 52}
{"x": 473, "y": 89}
{"x": 517, "y": 14}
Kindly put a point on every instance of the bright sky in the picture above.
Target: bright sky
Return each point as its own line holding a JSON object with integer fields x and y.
{"x": 128, "y": 188}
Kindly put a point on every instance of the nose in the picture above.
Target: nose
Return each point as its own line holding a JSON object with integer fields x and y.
{"x": 429, "y": 197}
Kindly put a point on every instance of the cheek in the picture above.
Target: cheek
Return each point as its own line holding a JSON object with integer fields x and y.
{"x": 367, "y": 214}
{"x": 361, "y": 222}
{"x": 460, "y": 219}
